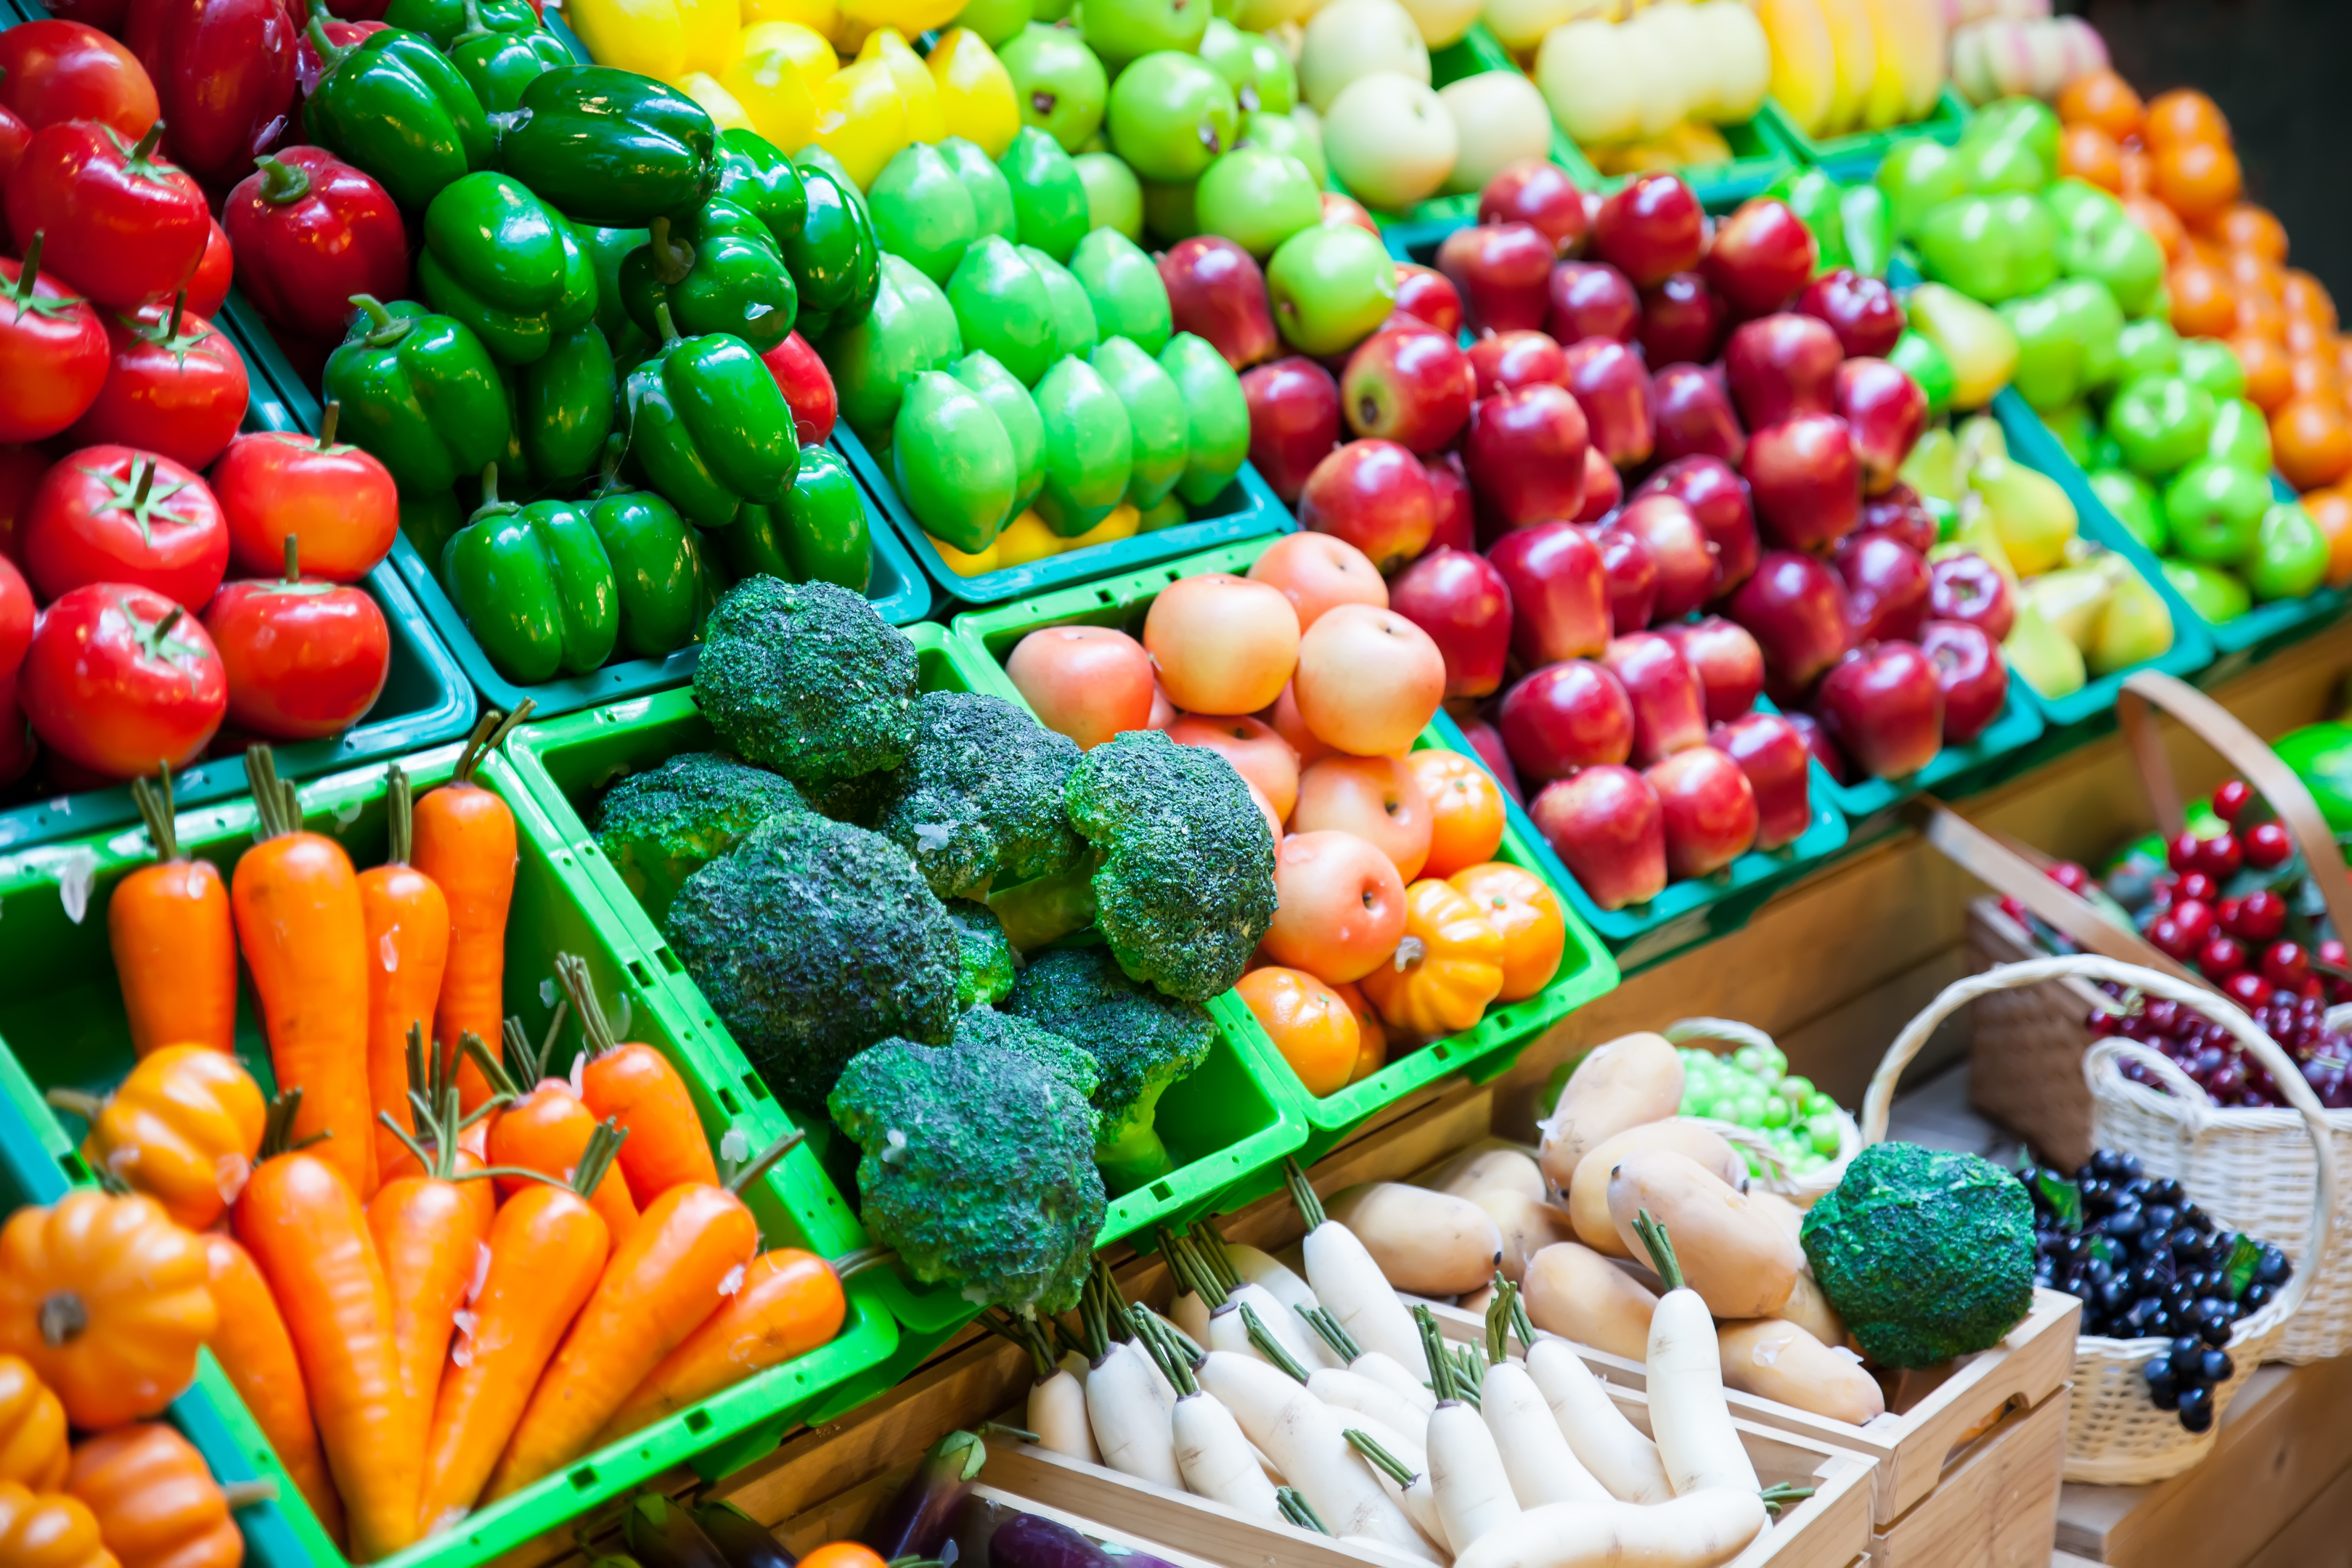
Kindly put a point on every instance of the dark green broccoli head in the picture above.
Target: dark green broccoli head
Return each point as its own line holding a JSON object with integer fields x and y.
{"x": 1186, "y": 887}
{"x": 812, "y": 939}
{"x": 980, "y": 798}
{"x": 984, "y": 973}
{"x": 805, "y": 679}
{"x": 1143, "y": 1041}
{"x": 979, "y": 1159}
{"x": 857, "y": 801}
{"x": 1926, "y": 1254}
{"x": 660, "y": 826}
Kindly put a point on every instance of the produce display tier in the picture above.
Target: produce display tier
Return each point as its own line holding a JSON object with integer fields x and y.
{"x": 1858, "y": 155}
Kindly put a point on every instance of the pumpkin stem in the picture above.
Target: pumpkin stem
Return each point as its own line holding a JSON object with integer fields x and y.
{"x": 245, "y": 1494}
{"x": 63, "y": 1317}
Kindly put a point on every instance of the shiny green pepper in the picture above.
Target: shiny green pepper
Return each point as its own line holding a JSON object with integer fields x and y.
{"x": 499, "y": 63}
{"x": 1867, "y": 224}
{"x": 708, "y": 430}
{"x": 717, "y": 272}
{"x": 564, "y": 408}
{"x": 763, "y": 182}
{"x": 816, "y": 534}
{"x": 655, "y": 568}
{"x": 836, "y": 257}
{"x": 394, "y": 107}
{"x": 428, "y": 519}
{"x": 419, "y": 393}
{"x": 610, "y": 147}
{"x": 1812, "y": 195}
{"x": 535, "y": 586}
{"x": 503, "y": 262}
{"x": 607, "y": 249}
{"x": 447, "y": 21}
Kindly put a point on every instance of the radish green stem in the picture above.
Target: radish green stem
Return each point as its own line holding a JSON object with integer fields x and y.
{"x": 1175, "y": 1336}
{"x": 1521, "y": 1323}
{"x": 1024, "y": 1332}
{"x": 1499, "y": 1319}
{"x": 1343, "y": 1344}
{"x": 1299, "y": 1512}
{"x": 1662, "y": 1249}
{"x": 1266, "y": 1345}
{"x": 1210, "y": 1248}
{"x": 1002, "y": 1429}
{"x": 1442, "y": 1369}
{"x": 1302, "y": 1192}
{"x": 1469, "y": 1376}
{"x": 1781, "y": 1494}
{"x": 1152, "y": 1333}
{"x": 1381, "y": 1459}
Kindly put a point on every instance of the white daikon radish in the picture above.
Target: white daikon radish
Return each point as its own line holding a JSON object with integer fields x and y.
{"x": 1271, "y": 1274}
{"x": 1406, "y": 1480}
{"x": 1537, "y": 1458}
{"x": 1696, "y": 1441}
{"x": 1132, "y": 1427}
{"x": 1352, "y": 1390}
{"x": 1057, "y": 1401}
{"x": 1615, "y": 1450}
{"x": 1350, "y": 1285}
{"x": 1371, "y": 1365}
{"x": 1466, "y": 1471}
{"x": 1197, "y": 1263}
{"x": 1216, "y": 1461}
{"x": 1701, "y": 1530}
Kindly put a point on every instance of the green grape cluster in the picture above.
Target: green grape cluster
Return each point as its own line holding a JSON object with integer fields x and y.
{"x": 1753, "y": 1087}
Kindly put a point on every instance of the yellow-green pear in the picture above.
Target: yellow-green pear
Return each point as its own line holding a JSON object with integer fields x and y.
{"x": 1981, "y": 346}
{"x": 2136, "y": 627}
{"x": 2029, "y": 512}
{"x": 2040, "y": 657}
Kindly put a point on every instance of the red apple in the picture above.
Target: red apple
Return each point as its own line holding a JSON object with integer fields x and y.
{"x": 1488, "y": 742}
{"x": 1409, "y": 386}
{"x": 1613, "y": 390}
{"x": 1525, "y": 453}
{"x": 1761, "y": 255}
{"x": 1216, "y": 290}
{"x": 1504, "y": 360}
{"x": 1591, "y": 300}
{"x": 1862, "y": 311}
{"x": 1566, "y": 716}
{"x": 1885, "y": 708}
{"x": 1376, "y": 496}
{"x": 1293, "y": 408}
{"x": 1678, "y": 548}
{"x": 1632, "y": 580}
{"x": 1682, "y": 321}
{"x": 1650, "y": 228}
{"x": 1459, "y": 599}
{"x": 1817, "y": 741}
{"x": 1897, "y": 509}
{"x": 1669, "y": 711}
{"x": 1709, "y": 809}
{"x": 1501, "y": 270}
{"x": 1558, "y": 592}
{"x": 1779, "y": 366}
{"x": 1972, "y": 673}
{"x": 1693, "y": 417}
{"x": 1538, "y": 193}
{"x": 1457, "y": 518}
{"x": 1795, "y": 606}
{"x": 1337, "y": 208}
{"x": 807, "y": 387}
{"x": 1425, "y": 294}
{"x": 1964, "y": 586}
{"x": 1718, "y": 498}
{"x": 1725, "y": 657}
{"x": 1885, "y": 586}
{"x": 1778, "y": 766}
{"x": 1884, "y": 410}
{"x": 1805, "y": 480}
{"x": 1608, "y": 828}
{"x": 1604, "y": 487}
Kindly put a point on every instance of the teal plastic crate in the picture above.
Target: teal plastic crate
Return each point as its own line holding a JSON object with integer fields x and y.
{"x": 62, "y": 1023}
{"x": 1247, "y": 509}
{"x": 1856, "y": 156}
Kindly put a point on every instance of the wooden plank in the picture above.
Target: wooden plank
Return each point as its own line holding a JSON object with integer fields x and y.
{"x": 1996, "y": 1504}
{"x": 2318, "y": 1537}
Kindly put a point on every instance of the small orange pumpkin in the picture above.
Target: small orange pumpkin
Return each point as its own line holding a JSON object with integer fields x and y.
{"x": 155, "y": 1499}
{"x": 48, "y": 1530}
{"x": 1527, "y": 917}
{"x": 183, "y": 1127}
{"x": 1448, "y": 966}
{"x": 32, "y": 1428}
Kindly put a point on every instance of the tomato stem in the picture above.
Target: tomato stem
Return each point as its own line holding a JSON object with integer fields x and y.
{"x": 31, "y": 271}
{"x": 327, "y": 418}
{"x": 146, "y": 143}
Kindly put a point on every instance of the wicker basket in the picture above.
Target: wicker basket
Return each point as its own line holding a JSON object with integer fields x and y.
{"x": 2026, "y": 1046}
{"x": 1801, "y": 1190}
{"x": 2115, "y": 1435}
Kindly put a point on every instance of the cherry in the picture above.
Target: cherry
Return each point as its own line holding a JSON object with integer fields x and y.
{"x": 2247, "y": 989}
{"x": 2231, "y": 799}
{"x": 2220, "y": 856}
{"x": 2013, "y": 910}
{"x": 2221, "y": 957}
{"x": 2285, "y": 964}
{"x": 2195, "y": 919}
{"x": 2262, "y": 915}
{"x": 2199, "y": 885}
{"x": 2074, "y": 878}
{"x": 2185, "y": 853}
{"x": 2171, "y": 940}
{"x": 2268, "y": 845}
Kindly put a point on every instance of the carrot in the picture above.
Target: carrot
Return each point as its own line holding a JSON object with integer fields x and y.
{"x": 298, "y": 918}
{"x": 636, "y": 1086}
{"x": 416, "y": 1154}
{"x": 308, "y": 1235}
{"x": 466, "y": 842}
{"x": 253, "y": 1348}
{"x": 175, "y": 946}
{"x": 548, "y": 1247}
{"x": 689, "y": 1251}
{"x": 407, "y": 922}
{"x": 547, "y": 1131}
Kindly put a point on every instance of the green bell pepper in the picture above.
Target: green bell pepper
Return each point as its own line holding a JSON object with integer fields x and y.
{"x": 816, "y": 534}
{"x": 763, "y": 182}
{"x": 535, "y": 586}
{"x": 420, "y": 392}
{"x": 564, "y": 408}
{"x": 654, "y": 563}
{"x": 708, "y": 428}
{"x": 607, "y": 249}
{"x": 1867, "y": 223}
{"x": 499, "y": 62}
{"x": 717, "y": 272}
{"x": 392, "y": 106}
{"x": 502, "y": 261}
{"x": 610, "y": 147}
{"x": 428, "y": 519}
{"x": 835, "y": 258}
{"x": 447, "y": 21}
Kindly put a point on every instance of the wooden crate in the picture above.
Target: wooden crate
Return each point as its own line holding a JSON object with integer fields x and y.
{"x": 1996, "y": 1505}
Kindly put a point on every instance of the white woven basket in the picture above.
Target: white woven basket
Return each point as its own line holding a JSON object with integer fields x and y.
{"x": 2114, "y": 1433}
{"x": 1801, "y": 1190}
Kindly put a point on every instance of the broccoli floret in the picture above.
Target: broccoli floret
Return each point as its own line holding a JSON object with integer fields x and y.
{"x": 1926, "y": 1254}
{"x": 857, "y": 801}
{"x": 1186, "y": 885}
{"x": 805, "y": 679}
{"x": 980, "y": 798}
{"x": 979, "y": 1159}
{"x": 660, "y": 826}
{"x": 1141, "y": 1040}
{"x": 812, "y": 939}
{"x": 984, "y": 973}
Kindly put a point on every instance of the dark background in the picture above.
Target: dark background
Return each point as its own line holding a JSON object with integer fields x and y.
{"x": 2281, "y": 72}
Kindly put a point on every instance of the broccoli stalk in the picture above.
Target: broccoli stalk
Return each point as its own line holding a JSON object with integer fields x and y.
{"x": 660, "y": 826}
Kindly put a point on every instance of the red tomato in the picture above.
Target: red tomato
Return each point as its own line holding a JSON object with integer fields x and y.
{"x": 175, "y": 388}
{"x": 60, "y": 70}
{"x": 338, "y": 503}
{"x": 19, "y": 750}
{"x": 304, "y": 658}
{"x": 21, "y": 468}
{"x": 110, "y": 514}
{"x": 15, "y": 618}
{"x": 53, "y": 355}
{"x": 208, "y": 288}
{"x": 122, "y": 680}
{"x": 124, "y": 227}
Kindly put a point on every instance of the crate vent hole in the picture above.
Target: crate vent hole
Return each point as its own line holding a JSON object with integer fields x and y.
{"x": 727, "y": 1101}
{"x": 1162, "y": 1191}
{"x": 638, "y": 971}
{"x": 584, "y": 1479}
{"x": 697, "y": 1420}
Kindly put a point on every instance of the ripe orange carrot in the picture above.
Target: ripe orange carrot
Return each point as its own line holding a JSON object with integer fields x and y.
{"x": 407, "y": 922}
{"x": 297, "y": 902}
{"x": 790, "y": 1302}
{"x": 174, "y": 945}
{"x": 466, "y": 843}
{"x": 689, "y": 1252}
{"x": 547, "y": 1130}
{"x": 548, "y": 1247}
{"x": 636, "y": 1086}
{"x": 253, "y": 1348}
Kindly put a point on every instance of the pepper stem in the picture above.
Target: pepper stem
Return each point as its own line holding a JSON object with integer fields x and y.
{"x": 673, "y": 259}
{"x": 281, "y": 182}
{"x": 384, "y": 329}
{"x": 668, "y": 327}
{"x": 490, "y": 484}
{"x": 293, "y": 559}
{"x": 327, "y": 418}
{"x": 330, "y": 53}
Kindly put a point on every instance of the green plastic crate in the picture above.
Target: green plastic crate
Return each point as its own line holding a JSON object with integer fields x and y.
{"x": 1858, "y": 155}
{"x": 62, "y": 1020}
{"x": 1586, "y": 968}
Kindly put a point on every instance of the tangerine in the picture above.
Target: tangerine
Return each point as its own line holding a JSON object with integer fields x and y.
{"x": 2104, "y": 99}
{"x": 2087, "y": 152}
{"x": 2134, "y": 172}
{"x": 2184, "y": 114}
{"x": 2330, "y": 509}
{"x": 2307, "y": 298}
{"x": 2316, "y": 376}
{"x": 2198, "y": 179}
{"x": 2163, "y": 225}
{"x": 1372, "y": 1035}
{"x": 2311, "y": 441}
{"x": 2243, "y": 226}
{"x": 1465, "y": 810}
{"x": 1309, "y": 1024}
{"x": 2270, "y": 380}
{"x": 2203, "y": 303}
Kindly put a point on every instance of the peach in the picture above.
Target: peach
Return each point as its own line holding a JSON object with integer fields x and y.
{"x": 1257, "y": 753}
{"x": 1368, "y": 679}
{"x": 1224, "y": 644}
{"x": 1164, "y": 713}
{"x": 1284, "y": 717}
{"x": 1316, "y": 572}
{"x": 1375, "y": 798}
{"x": 1339, "y": 905}
{"x": 1086, "y": 682}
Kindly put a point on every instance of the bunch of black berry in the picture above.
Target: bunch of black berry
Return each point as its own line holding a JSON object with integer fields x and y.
{"x": 2149, "y": 1264}
{"x": 2211, "y": 1056}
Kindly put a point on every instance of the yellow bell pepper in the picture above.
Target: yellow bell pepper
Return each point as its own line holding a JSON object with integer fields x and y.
{"x": 647, "y": 37}
{"x": 817, "y": 15}
{"x": 725, "y": 110}
{"x": 970, "y": 563}
{"x": 1122, "y": 523}
{"x": 861, "y": 119}
{"x": 709, "y": 28}
{"x": 905, "y": 17}
{"x": 766, "y": 78}
{"x": 1025, "y": 539}
{"x": 921, "y": 94}
{"x": 976, "y": 97}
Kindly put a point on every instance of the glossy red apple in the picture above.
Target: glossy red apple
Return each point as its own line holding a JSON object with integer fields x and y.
{"x": 1972, "y": 672}
{"x": 1558, "y": 592}
{"x": 1761, "y": 255}
{"x": 1862, "y": 311}
{"x": 1717, "y": 497}
{"x": 1337, "y": 208}
{"x": 1692, "y": 416}
{"x": 1426, "y": 295}
{"x": 1604, "y": 487}
{"x": 1293, "y": 408}
{"x": 1778, "y": 766}
{"x": 1780, "y": 366}
{"x": 1217, "y": 290}
{"x": 1964, "y": 586}
{"x": 1503, "y": 360}
{"x": 1457, "y": 517}
{"x": 1632, "y": 579}
{"x": 1885, "y": 708}
{"x": 1411, "y": 386}
{"x": 1795, "y": 607}
{"x": 1678, "y": 549}
{"x": 1804, "y": 480}
{"x": 1897, "y": 509}
{"x": 1613, "y": 389}
{"x": 1564, "y": 716}
{"x": 1817, "y": 741}
{"x": 1669, "y": 711}
{"x": 1884, "y": 410}
{"x": 1682, "y": 321}
{"x": 1608, "y": 828}
{"x": 1538, "y": 193}
{"x": 1488, "y": 742}
{"x": 1708, "y": 807}
{"x": 1459, "y": 599}
{"x": 1650, "y": 228}
{"x": 1725, "y": 657}
{"x": 1501, "y": 270}
{"x": 1525, "y": 453}
{"x": 1885, "y": 586}
{"x": 1376, "y": 496}
{"x": 1591, "y": 300}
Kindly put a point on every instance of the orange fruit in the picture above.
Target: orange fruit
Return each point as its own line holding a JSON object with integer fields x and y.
{"x": 1372, "y": 1035}
{"x": 2198, "y": 179}
{"x": 2312, "y": 442}
{"x": 2203, "y": 303}
{"x": 2089, "y": 153}
{"x": 2304, "y": 337}
{"x": 2330, "y": 510}
{"x": 2259, "y": 314}
{"x": 1535, "y": 932}
{"x": 1308, "y": 1023}
{"x": 2163, "y": 225}
{"x": 2102, "y": 99}
{"x": 2342, "y": 349}
{"x": 2243, "y": 226}
{"x": 2184, "y": 114}
{"x": 2134, "y": 172}
{"x": 843, "y": 1554}
{"x": 2307, "y": 298}
{"x": 2257, "y": 273}
{"x": 1465, "y": 810}
{"x": 2270, "y": 380}
{"x": 2316, "y": 376}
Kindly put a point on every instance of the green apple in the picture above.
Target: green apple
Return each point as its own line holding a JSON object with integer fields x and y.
{"x": 997, "y": 22}
{"x": 2080, "y": 205}
{"x": 2120, "y": 254}
{"x": 1061, "y": 85}
{"x": 1990, "y": 167}
{"x": 2240, "y": 437}
{"x": 2214, "y": 510}
{"x": 2214, "y": 367}
{"x": 1391, "y": 141}
{"x": 2135, "y": 505}
{"x": 1918, "y": 176}
{"x": 1123, "y": 30}
{"x": 2146, "y": 348}
{"x": 1114, "y": 198}
{"x": 1298, "y": 133}
{"x": 1254, "y": 64}
{"x": 1257, "y": 199}
{"x": 1331, "y": 285}
{"x": 2027, "y": 121}
{"x": 2290, "y": 555}
{"x": 2215, "y": 595}
{"x": 1169, "y": 116}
